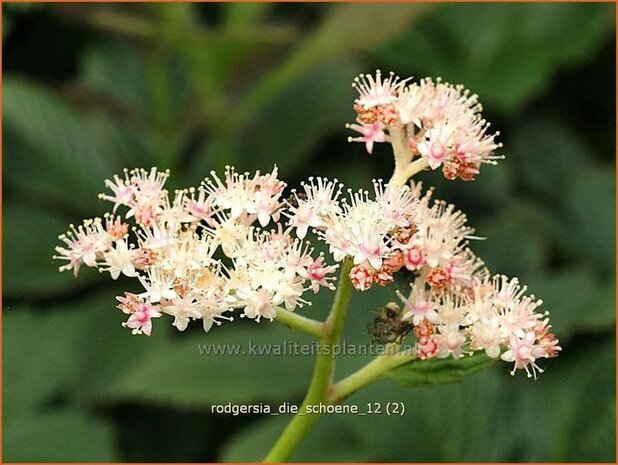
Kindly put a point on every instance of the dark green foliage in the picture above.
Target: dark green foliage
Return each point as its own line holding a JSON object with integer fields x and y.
{"x": 439, "y": 371}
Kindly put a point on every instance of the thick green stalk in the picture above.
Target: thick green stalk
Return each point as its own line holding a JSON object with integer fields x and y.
{"x": 321, "y": 380}
{"x": 301, "y": 323}
{"x": 368, "y": 374}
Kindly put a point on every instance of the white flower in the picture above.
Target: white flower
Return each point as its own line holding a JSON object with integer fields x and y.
{"x": 183, "y": 309}
{"x": 205, "y": 254}
{"x": 486, "y": 335}
{"x": 450, "y": 341}
{"x": 120, "y": 260}
{"x": 312, "y": 207}
{"x": 377, "y": 91}
{"x": 259, "y": 304}
{"x": 158, "y": 284}
{"x": 247, "y": 198}
{"x": 410, "y": 104}
{"x": 397, "y": 204}
{"x": 437, "y": 120}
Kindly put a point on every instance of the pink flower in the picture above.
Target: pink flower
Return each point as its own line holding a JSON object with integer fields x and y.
{"x": 123, "y": 190}
{"x": 317, "y": 273}
{"x": 414, "y": 257}
{"x": 370, "y": 133}
{"x": 420, "y": 306}
{"x": 361, "y": 277}
{"x": 523, "y": 352}
{"x": 141, "y": 311}
{"x": 85, "y": 245}
{"x": 427, "y": 347}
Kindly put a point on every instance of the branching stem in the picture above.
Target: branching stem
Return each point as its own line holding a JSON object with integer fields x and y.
{"x": 322, "y": 373}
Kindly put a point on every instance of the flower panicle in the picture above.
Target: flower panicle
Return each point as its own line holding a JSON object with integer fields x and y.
{"x": 458, "y": 321}
{"x": 199, "y": 255}
{"x": 239, "y": 244}
{"x": 435, "y": 121}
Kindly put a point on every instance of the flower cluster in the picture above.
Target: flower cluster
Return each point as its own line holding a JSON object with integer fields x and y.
{"x": 437, "y": 121}
{"x": 454, "y": 307}
{"x": 198, "y": 256}
{"x": 371, "y": 229}
{"x": 237, "y": 243}
{"x": 387, "y": 230}
{"x": 492, "y": 315}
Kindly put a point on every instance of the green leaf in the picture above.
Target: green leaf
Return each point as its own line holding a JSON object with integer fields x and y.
{"x": 548, "y": 154}
{"x": 441, "y": 423}
{"x": 587, "y": 306}
{"x": 488, "y": 417}
{"x": 175, "y": 14}
{"x": 516, "y": 240}
{"x": 510, "y": 54}
{"x": 115, "y": 69}
{"x": 290, "y": 127}
{"x": 149, "y": 96}
{"x": 466, "y": 422}
{"x": 239, "y": 15}
{"x": 176, "y": 374}
{"x": 50, "y": 152}
{"x": 68, "y": 436}
{"x": 7, "y": 26}
{"x": 439, "y": 371}
{"x": 570, "y": 400}
{"x": 351, "y": 28}
{"x": 42, "y": 355}
{"x": 30, "y": 236}
{"x": 107, "y": 350}
{"x": 132, "y": 145}
{"x": 492, "y": 190}
{"x": 591, "y": 217}
{"x": 347, "y": 29}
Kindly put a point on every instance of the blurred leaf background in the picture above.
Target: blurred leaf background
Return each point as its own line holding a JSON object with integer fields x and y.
{"x": 91, "y": 89}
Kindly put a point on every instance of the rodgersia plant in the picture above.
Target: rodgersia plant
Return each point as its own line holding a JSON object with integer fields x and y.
{"x": 236, "y": 245}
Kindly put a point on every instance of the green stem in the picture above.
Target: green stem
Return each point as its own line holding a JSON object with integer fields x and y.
{"x": 339, "y": 310}
{"x": 301, "y": 323}
{"x": 137, "y": 27}
{"x": 321, "y": 380}
{"x": 368, "y": 374}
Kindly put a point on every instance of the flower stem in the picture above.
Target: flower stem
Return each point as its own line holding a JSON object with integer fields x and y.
{"x": 402, "y": 174}
{"x": 368, "y": 374}
{"x": 301, "y": 323}
{"x": 401, "y": 151}
{"x": 321, "y": 380}
{"x": 416, "y": 167}
{"x": 405, "y": 168}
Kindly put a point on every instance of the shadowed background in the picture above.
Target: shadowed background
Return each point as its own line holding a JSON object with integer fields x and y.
{"x": 91, "y": 89}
